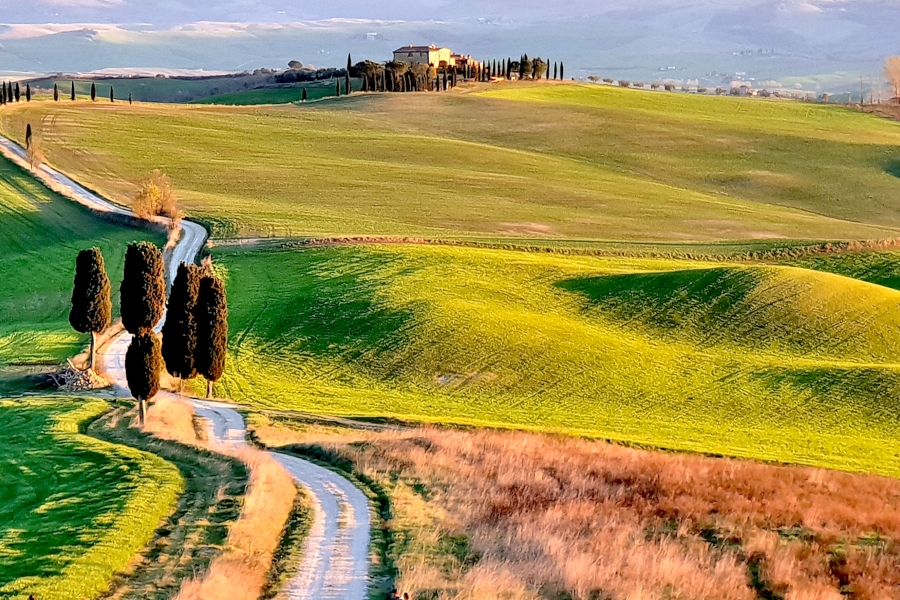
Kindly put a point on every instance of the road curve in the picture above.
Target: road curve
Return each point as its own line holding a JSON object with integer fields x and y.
{"x": 335, "y": 554}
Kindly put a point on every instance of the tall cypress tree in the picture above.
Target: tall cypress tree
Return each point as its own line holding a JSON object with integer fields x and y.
{"x": 349, "y": 64}
{"x": 56, "y": 92}
{"x": 212, "y": 330}
{"x": 555, "y": 70}
{"x": 28, "y": 136}
{"x": 562, "y": 71}
{"x": 143, "y": 364}
{"x": 347, "y": 85}
{"x": 27, "y": 92}
{"x": 112, "y": 94}
{"x": 304, "y": 96}
{"x": 130, "y": 99}
{"x": 179, "y": 343}
{"x": 73, "y": 91}
{"x": 337, "y": 89}
{"x": 91, "y": 297}
{"x": 143, "y": 290}
{"x": 18, "y": 96}
{"x": 93, "y": 92}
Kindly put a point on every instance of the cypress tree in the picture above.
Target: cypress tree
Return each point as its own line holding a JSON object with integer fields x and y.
{"x": 3, "y": 95}
{"x": 56, "y": 92}
{"x": 212, "y": 330}
{"x": 555, "y": 70}
{"x": 304, "y": 96}
{"x": 73, "y": 91}
{"x": 547, "y": 74}
{"x": 337, "y": 91}
{"x": 112, "y": 94}
{"x": 509, "y": 68}
{"x": 179, "y": 332}
{"x": 143, "y": 364}
{"x": 18, "y": 96}
{"x": 130, "y": 100}
{"x": 93, "y": 92}
{"x": 349, "y": 64}
{"x": 143, "y": 291}
{"x": 27, "y": 92}
{"x": 348, "y": 86}
{"x": 562, "y": 71}
{"x": 28, "y": 136}
{"x": 91, "y": 297}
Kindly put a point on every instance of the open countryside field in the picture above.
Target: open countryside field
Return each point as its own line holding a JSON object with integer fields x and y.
{"x": 40, "y": 235}
{"x": 73, "y": 510}
{"x": 548, "y": 162}
{"x": 772, "y": 362}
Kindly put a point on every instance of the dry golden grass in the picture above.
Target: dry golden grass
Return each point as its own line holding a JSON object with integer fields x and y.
{"x": 239, "y": 573}
{"x": 518, "y": 515}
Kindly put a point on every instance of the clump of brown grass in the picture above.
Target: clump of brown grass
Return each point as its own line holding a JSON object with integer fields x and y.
{"x": 535, "y": 516}
{"x": 239, "y": 573}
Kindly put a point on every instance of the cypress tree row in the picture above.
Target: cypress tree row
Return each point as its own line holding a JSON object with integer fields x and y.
{"x": 73, "y": 91}
{"x": 91, "y": 297}
{"x": 212, "y": 330}
{"x": 55, "y": 92}
{"x": 143, "y": 291}
{"x": 179, "y": 332}
{"x": 143, "y": 363}
{"x": 93, "y": 92}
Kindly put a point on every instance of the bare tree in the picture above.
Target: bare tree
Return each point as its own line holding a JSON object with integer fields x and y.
{"x": 892, "y": 70}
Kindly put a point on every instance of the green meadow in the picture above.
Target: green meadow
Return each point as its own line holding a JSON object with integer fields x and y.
{"x": 773, "y": 362}
{"x": 40, "y": 235}
{"x": 547, "y": 162}
{"x": 73, "y": 510}
{"x": 280, "y": 94}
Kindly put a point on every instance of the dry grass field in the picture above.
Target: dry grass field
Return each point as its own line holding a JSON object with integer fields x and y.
{"x": 489, "y": 514}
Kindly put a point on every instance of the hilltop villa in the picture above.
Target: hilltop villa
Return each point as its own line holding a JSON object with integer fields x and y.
{"x": 430, "y": 55}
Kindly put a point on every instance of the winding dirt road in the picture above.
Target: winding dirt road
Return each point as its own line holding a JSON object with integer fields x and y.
{"x": 335, "y": 554}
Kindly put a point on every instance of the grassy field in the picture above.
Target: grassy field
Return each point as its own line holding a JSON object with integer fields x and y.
{"x": 280, "y": 94}
{"x": 73, "y": 510}
{"x": 547, "y": 162}
{"x": 773, "y": 362}
{"x": 40, "y": 236}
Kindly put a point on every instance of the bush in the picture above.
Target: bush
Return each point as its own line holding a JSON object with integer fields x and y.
{"x": 156, "y": 196}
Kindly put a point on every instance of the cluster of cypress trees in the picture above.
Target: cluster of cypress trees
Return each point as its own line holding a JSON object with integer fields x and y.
{"x": 524, "y": 68}
{"x": 195, "y": 334}
{"x": 8, "y": 94}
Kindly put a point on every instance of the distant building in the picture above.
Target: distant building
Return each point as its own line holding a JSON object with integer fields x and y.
{"x": 426, "y": 55}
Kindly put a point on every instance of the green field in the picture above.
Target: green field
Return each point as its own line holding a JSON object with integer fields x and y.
{"x": 772, "y": 362}
{"x": 40, "y": 236}
{"x": 280, "y": 94}
{"x": 73, "y": 510}
{"x": 546, "y": 162}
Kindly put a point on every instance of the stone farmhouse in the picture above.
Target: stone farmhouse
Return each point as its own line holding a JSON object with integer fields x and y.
{"x": 430, "y": 55}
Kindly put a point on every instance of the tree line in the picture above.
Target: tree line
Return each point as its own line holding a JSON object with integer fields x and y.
{"x": 10, "y": 94}
{"x": 396, "y": 76}
{"x": 195, "y": 332}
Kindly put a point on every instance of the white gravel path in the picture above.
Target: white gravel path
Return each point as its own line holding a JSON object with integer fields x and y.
{"x": 335, "y": 554}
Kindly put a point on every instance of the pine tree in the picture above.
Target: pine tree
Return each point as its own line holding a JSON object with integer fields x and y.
{"x": 17, "y": 94}
{"x": 179, "y": 343}
{"x": 304, "y": 96}
{"x": 27, "y": 92}
{"x": 91, "y": 297}
{"x": 143, "y": 290}
{"x": 112, "y": 94}
{"x": 93, "y": 92}
{"x": 212, "y": 330}
{"x": 143, "y": 364}
{"x": 73, "y": 91}
{"x": 56, "y": 92}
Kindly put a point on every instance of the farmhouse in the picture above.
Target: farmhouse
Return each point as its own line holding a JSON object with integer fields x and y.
{"x": 427, "y": 55}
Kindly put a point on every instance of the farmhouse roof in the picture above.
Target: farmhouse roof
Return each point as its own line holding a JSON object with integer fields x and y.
{"x": 412, "y": 48}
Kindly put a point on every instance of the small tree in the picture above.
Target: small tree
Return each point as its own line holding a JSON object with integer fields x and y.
{"x": 304, "y": 96}
{"x": 892, "y": 70}
{"x": 73, "y": 91}
{"x": 212, "y": 330}
{"x": 143, "y": 291}
{"x": 28, "y": 136}
{"x": 91, "y": 297}
{"x": 130, "y": 99}
{"x": 143, "y": 364}
{"x": 93, "y": 92}
{"x": 156, "y": 196}
{"x": 27, "y": 92}
{"x": 179, "y": 344}
{"x": 56, "y": 92}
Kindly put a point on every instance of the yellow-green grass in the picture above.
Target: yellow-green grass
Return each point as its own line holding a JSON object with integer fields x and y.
{"x": 40, "y": 236}
{"x": 73, "y": 510}
{"x": 549, "y": 162}
{"x": 776, "y": 363}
